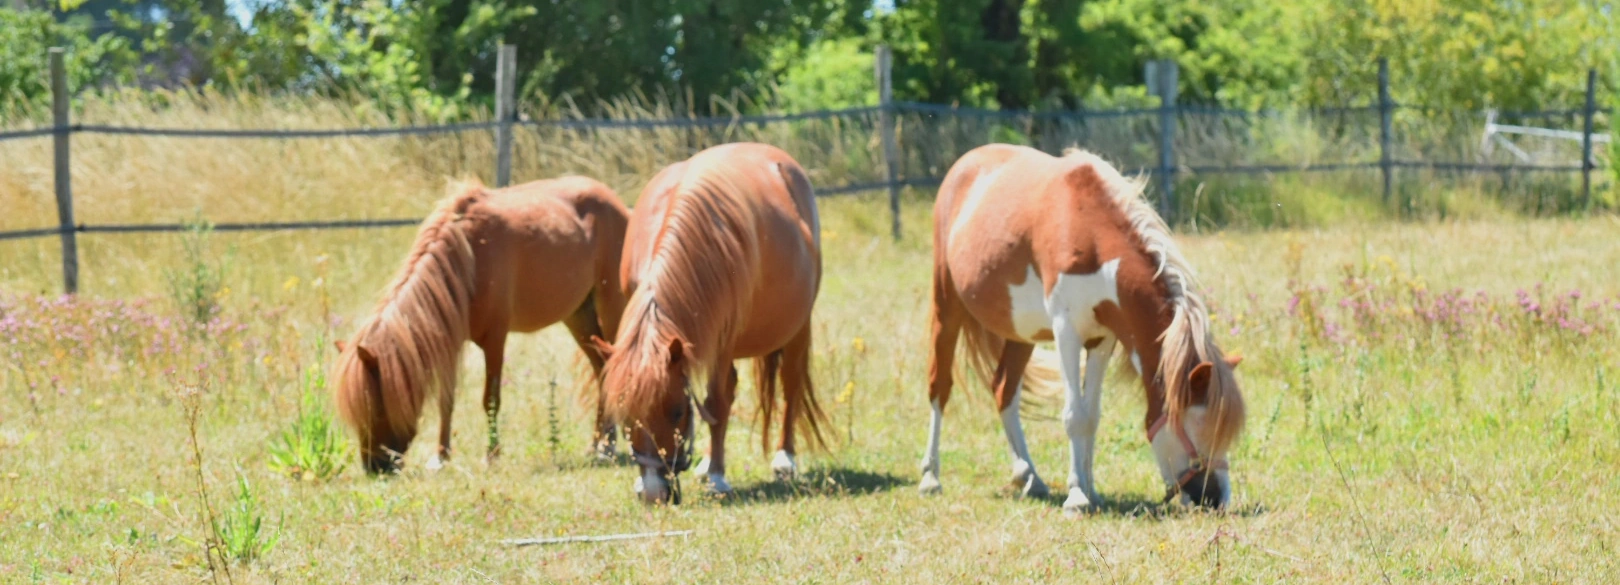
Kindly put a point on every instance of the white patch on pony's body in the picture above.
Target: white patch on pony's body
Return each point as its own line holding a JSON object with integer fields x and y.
{"x": 1078, "y": 295}
{"x": 975, "y": 196}
{"x": 1136, "y": 362}
{"x": 1028, "y": 305}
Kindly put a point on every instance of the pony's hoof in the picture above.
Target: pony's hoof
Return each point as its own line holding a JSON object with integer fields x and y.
{"x": 1035, "y": 488}
{"x": 1078, "y": 503}
{"x": 718, "y": 486}
{"x": 783, "y": 466}
{"x": 435, "y": 464}
{"x": 930, "y": 484}
{"x": 702, "y": 468}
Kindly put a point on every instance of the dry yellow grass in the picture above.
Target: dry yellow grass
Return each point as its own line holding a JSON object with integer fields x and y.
{"x": 1391, "y": 453}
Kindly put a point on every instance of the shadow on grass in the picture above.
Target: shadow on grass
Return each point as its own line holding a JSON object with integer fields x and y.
{"x": 1139, "y": 506}
{"x": 833, "y": 482}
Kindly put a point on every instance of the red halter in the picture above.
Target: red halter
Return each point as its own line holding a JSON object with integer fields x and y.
{"x": 1199, "y": 465}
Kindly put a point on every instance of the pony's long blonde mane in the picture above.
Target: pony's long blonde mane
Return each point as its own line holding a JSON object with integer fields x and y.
{"x": 1188, "y": 341}
{"x": 690, "y": 293}
{"x": 417, "y": 331}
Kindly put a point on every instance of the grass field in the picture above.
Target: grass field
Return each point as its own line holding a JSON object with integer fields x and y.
{"x": 1407, "y": 435}
{"x": 1428, "y": 401}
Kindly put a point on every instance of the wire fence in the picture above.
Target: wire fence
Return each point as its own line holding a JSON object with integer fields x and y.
{"x": 1177, "y": 146}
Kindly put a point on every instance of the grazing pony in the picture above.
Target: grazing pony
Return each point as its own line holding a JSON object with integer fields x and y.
{"x": 722, "y": 262}
{"x": 1029, "y": 247}
{"x": 485, "y": 263}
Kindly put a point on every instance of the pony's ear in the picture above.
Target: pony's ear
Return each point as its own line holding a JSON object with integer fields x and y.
{"x": 341, "y": 345}
{"x": 1233, "y": 360}
{"x": 365, "y": 354}
{"x": 677, "y": 353}
{"x": 602, "y": 347}
{"x": 1200, "y": 378}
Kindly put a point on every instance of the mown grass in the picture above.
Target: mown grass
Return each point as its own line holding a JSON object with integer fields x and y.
{"x": 1402, "y": 425}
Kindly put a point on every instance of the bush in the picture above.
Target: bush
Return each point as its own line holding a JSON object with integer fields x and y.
{"x": 240, "y": 530}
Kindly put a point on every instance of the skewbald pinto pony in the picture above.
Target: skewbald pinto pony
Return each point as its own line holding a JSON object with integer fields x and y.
{"x": 722, "y": 262}
{"x": 485, "y": 263}
{"x": 1029, "y": 247}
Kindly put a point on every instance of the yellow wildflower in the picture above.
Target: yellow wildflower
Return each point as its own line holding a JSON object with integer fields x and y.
{"x": 292, "y": 283}
{"x": 859, "y": 344}
{"x": 848, "y": 393}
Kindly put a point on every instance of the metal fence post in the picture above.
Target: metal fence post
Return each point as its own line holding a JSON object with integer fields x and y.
{"x": 1162, "y": 78}
{"x": 64, "y": 177}
{"x": 1386, "y": 108}
{"x": 505, "y": 94}
{"x": 891, "y": 156}
{"x": 1586, "y": 140}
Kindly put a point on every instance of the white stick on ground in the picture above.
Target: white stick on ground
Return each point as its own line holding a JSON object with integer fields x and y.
{"x": 604, "y": 538}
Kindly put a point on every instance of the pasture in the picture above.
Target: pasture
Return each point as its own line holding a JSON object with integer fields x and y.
{"x": 1428, "y": 402}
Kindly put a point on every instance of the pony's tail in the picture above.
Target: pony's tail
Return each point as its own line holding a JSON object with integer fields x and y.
{"x": 1042, "y": 376}
{"x": 802, "y": 406}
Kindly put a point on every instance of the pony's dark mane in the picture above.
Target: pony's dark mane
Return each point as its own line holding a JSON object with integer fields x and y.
{"x": 1188, "y": 341}
{"x": 691, "y": 291}
{"x": 417, "y": 331}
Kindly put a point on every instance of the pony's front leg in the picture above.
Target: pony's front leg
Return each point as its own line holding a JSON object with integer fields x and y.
{"x": 1082, "y": 409}
{"x": 718, "y": 403}
{"x": 494, "y": 360}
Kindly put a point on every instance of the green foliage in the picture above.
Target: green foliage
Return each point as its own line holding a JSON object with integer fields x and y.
{"x": 312, "y": 448}
{"x": 25, "y": 37}
{"x": 834, "y": 73}
{"x": 198, "y": 287}
{"x": 435, "y": 59}
{"x": 240, "y": 532}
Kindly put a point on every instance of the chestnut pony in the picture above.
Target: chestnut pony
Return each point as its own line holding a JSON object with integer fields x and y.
{"x": 485, "y": 263}
{"x": 1029, "y": 247}
{"x": 722, "y": 262}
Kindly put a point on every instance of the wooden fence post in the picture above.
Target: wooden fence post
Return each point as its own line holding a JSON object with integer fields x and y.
{"x": 64, "y": 177}
{"x": 1162, "y": 77}
{"x": 1586, "y": 141}
{"x": 1386, "y": 109}
{"x": 505, "y": 106}
{"x": 891, "y": 156}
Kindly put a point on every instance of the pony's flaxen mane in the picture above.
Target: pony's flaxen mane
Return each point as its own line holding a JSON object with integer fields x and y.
{"x": 1187, "y": 342}
{"x": 690, "y": 293}
{"x": 416, "y": 333}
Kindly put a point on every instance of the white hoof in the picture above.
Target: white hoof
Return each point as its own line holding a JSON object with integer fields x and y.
{"x": 930, "y": 484}
{"x": 718, "y": 485}
{"x": 435, "y": 463}
{"x": 702, "y": 467}
{"x": 1035, "y": 488}
{"x": 783, "y": 466}
{"x": 1077, "y": 501}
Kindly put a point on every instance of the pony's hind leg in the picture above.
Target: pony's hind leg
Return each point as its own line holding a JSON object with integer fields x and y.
{"x": 1008, "y": 384}
{"x": 583, "y": 325}
{"x": 798, "y": 399}
{"x": 494, "y": 359}
{"x": 947, "y": 329}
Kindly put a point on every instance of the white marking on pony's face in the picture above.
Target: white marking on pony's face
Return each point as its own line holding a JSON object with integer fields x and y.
{"x": 1028, "y": 306}
{"x": 1078, "y": 295}
{"x": 651, "y": 487}
{"x": 975, "y": 196}
{"x": 1136, "y": 362}
{"x": 1173, "y": 457}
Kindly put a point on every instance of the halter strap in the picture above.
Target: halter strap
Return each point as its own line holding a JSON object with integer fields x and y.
{"x": 1198, "y": 464}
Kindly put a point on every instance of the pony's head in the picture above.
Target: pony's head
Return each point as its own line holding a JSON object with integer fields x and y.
{"x": 646, "y": 384}
{"x": 383, "y": 430}
{"x": 1202, "y": 416}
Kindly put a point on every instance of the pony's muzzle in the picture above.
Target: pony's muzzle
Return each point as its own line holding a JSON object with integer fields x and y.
{"x": 382, "y": 463}
{"x": 652, "y": 487}
{"x": 1207, "y": 490}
